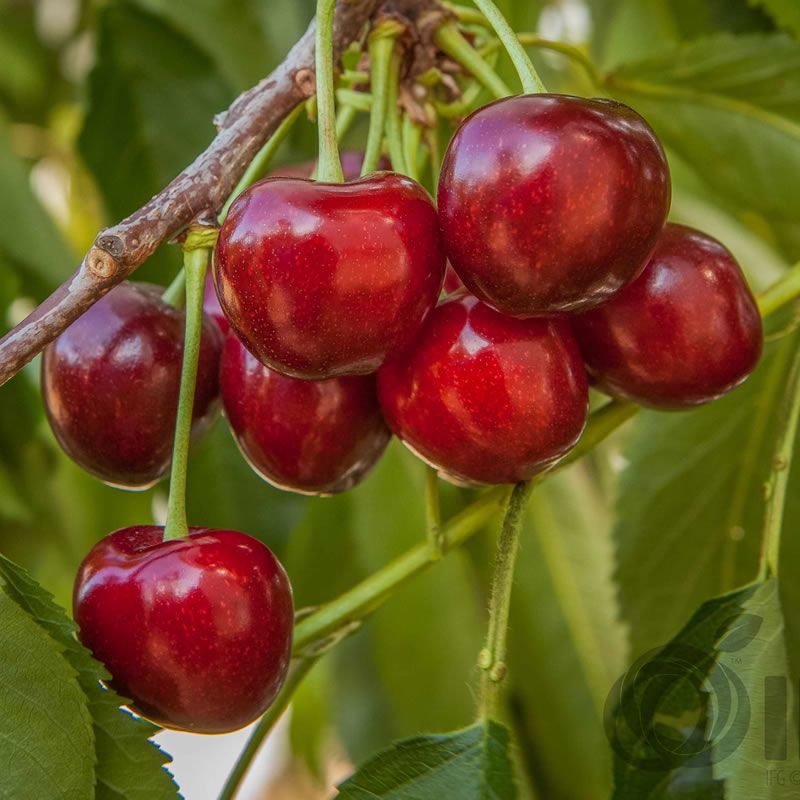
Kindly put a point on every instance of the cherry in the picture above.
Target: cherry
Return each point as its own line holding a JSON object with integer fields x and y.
{"x": 110, "y": 384}
{"x": 321, "y": 280}
{"x": 686, "y": 331}
{"x": 551, "y": 203}
{"x": 196, "y": 631}
{"x": 315, "y": 437}
{"x": 484, "y": 397}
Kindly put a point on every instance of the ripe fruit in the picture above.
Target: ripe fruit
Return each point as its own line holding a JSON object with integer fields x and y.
{"x": 484, "y": 397}
{"x": 320, "y": 279}
{"x": 317, "y": 437}
{"x": 686, "y": 331}
{"x": 110, "y": 384}
{"x": 197, "y": 631}
{"x": 551, "y": 203}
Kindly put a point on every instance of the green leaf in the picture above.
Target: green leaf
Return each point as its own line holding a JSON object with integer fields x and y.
{"x": 28, "y": 238}
{"x": 152, "y": 98}
{"x": 763, "y": 746}
{"x": 244, "y": 41}
{"x": 741, "y": 146}
{"x": 128, "y": 766}
{"x": 762, "y": 69}
{"x": 473, "y": 764}
{"x": 786, "y": 13}
{"x": 690, "y": 509}
{"x": 46, "y": 741}
{"x": 566, "y": 646}
{"x": 658, "y": 721}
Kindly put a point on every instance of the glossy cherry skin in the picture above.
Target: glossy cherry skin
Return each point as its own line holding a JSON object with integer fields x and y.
{"x": 686, "y": 331}
{"x": 320, "y": 280}
{"x": 484, "y": 397}
{"x": 196, "y": 631}
{"x": 551, "y": 203}
{"x": 314, "y": 437}
{"x": 110, "y": 384}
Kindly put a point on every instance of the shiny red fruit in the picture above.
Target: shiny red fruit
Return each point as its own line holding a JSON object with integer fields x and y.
{"x": 484, "y": 397}
{"x": 320, "y": 280}
{"x": 211, "y": 306}
{"x": 316, "y": 437}
{"x": 686, "y": 331}
{"x": 110, "y": 384}
{"x": 196, "y": 631}
{"x": 552, "y": 203}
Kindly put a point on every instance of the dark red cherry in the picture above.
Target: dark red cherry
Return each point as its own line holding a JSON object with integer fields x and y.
{"x": 316, "y": 437}
{"x": 686, "y": 331}
{"x": 484, "y": 397}
{"x": 110, "y": 384}
{"x": 320, "y": 280}
{"x": 211, "y": 306}
{"x": 551, "y": 203}
{"x": 196, "y": 631}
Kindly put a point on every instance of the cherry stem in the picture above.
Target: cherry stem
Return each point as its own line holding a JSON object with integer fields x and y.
{"x": 258, "y": 166}
{"x": 412, "y": 140}
{"x": 197, "y": 250}
{"x": 175, "y": 293}
{"x": 783, "y": 291}
{"x": 778, "y": 481}
{"x": 492, "y": 659}
{"x": 329, "y": 166}
{"x": 394, "y": 135}
{"x": 298, "y": 672}
{"x": 381, "y": 47}
{"x": 371, "y": 592}
{"x": 448, "y": 38}
{"x": 433, "y": 514}
{"x": 529, "y": 77}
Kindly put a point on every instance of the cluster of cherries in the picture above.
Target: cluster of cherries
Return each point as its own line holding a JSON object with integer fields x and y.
{"x": 330, "y": 333}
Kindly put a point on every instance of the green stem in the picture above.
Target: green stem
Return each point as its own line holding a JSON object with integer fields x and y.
{"x": 175, "y": 293}
{"x": 330, "y": 166}
{"x": 298, "y": 672}
{"x": 449, "y": 39}
{"x": 493, "y": 656}
{"x": 258, "y": 166}
{"x": 194, "y": 266}
{"x": 432, "y": 140}
{"x": 531, "y": 82}
{"x": 433, "y": 514}
{"x": 360, "y": 101}
{"x": 394, "y": 135}
{"x": 368, "y": 595}
{"x": 469, "y": 16}
{"x": 783, "y": 291}
{"x": 412, "y": 139}
{"x": 381, "y": 47}
{"x": 344, "y": 121}
{"x": 781, "y": 467}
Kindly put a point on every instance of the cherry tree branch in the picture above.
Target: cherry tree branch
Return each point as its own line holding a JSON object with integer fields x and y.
{"x": 198, "y": 192}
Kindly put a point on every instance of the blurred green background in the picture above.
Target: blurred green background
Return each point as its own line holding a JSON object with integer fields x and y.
{"x": 101, "y": 103}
